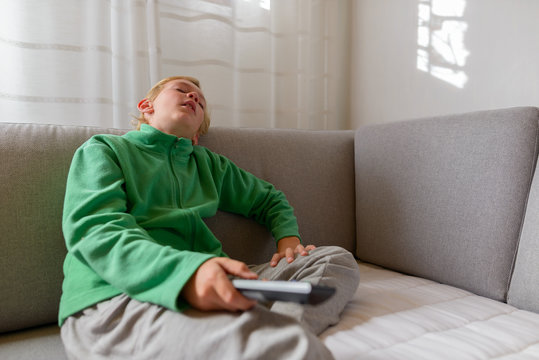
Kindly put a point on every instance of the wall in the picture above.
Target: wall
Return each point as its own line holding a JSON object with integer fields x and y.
{"x": 415, "y": 58}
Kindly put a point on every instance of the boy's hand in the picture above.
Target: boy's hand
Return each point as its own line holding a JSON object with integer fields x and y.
{"x": 287, "y": 248}
{"x": 210, "y": 289}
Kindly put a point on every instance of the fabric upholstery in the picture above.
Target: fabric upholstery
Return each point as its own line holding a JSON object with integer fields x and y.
{"x": 443, "y": 198}
{"x": 399, "y": 317}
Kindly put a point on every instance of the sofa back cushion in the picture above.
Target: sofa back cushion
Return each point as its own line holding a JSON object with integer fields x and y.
{"x": 34, "y": 164}
{"x": 444, "y": 197}
{"x": 312, "y": 168}
{"x": 315, "y": 171}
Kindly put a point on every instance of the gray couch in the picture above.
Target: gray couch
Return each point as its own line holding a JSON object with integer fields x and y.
{"x": 453, "y": 199}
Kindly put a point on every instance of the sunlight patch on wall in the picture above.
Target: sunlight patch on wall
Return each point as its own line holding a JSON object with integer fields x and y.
{"x": 441, "y": 51}
{"x": 264, "y": 4}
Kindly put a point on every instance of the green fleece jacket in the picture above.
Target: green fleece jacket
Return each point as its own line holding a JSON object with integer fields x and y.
{"x": 133, "y": 214}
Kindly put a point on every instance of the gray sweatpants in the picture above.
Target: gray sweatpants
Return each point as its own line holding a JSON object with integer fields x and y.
{"x": 124, "y": 328}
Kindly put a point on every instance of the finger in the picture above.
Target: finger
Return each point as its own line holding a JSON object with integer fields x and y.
{"x": 237, "y": 268}
{"x": 229, "y": 298}
{"x": 289, "y": 253}
{"x": 275, "y": 259}
{"x": 301, "y": 250}
{"x": 310, "y": 247}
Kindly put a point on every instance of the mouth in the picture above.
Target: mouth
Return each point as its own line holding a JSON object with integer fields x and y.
{"x": 191, "y": 105}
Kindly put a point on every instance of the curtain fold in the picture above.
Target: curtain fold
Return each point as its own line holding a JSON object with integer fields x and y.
{"x": 262, "y": 63}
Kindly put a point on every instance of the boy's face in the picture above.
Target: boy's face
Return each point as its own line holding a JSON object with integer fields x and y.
{"x": 177, "y": 110}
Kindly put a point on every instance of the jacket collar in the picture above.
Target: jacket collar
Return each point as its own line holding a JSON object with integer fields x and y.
{"x": 158, "y": 141}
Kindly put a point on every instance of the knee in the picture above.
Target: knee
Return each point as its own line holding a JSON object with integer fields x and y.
{"x": 342, "y": 259}
{"x": 338, "y": 254}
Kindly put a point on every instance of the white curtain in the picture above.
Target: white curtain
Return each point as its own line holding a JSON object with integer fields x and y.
{"x": 261, "y": 63}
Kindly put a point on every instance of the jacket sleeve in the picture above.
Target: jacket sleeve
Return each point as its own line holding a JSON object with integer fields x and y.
{"x": 243, "y": 193}
{"x": 100, "y": 233}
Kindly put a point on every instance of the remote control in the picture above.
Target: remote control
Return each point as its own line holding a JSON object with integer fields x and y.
{"x": 299, "y": 292}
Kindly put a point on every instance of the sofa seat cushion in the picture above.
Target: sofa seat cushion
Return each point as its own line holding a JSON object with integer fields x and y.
{"x": 395, "y": 316}
{"x": 42, "y": 343}
{"x": 391, "y": 316}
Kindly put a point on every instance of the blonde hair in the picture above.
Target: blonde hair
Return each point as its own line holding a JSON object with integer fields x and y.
{"x": 156, "y": 89}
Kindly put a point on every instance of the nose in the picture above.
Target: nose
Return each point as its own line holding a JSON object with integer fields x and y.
{"x": 193, "y": 95}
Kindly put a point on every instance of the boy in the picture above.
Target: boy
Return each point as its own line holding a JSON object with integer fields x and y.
{"x": 145, "y": 278}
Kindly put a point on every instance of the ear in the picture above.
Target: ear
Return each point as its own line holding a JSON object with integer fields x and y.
{"x": 145, "y": 106}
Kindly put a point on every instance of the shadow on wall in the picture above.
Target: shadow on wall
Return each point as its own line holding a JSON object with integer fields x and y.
{"x": 441, "y": 30}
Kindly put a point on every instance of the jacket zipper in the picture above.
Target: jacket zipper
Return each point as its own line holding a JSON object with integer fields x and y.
{"x": 176, "y": 182}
